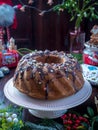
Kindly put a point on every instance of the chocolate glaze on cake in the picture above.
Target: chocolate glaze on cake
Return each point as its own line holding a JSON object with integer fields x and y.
{"x": 48, "y": 75}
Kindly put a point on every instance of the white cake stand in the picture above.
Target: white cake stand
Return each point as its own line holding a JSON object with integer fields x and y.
{"x": 44, "y": 108}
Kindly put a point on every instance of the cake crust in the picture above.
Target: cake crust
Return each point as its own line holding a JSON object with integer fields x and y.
{"x": 48, "y": 75}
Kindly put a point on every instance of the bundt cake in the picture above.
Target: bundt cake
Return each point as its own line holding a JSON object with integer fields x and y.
{"x": 48, "y": 75}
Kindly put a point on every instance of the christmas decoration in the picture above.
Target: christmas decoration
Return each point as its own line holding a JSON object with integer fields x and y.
{"x": 6, "y": 15}
{"x": 9, "y": 59}
{"x": 7, "y": 18}
{"x": 12, "y": 45}
{"x": 1, "y": 46}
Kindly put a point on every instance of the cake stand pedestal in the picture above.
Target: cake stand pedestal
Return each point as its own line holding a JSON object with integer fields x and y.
{"x": 44, "y": 108}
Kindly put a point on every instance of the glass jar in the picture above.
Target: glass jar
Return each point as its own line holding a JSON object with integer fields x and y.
{"x": 77, "y": 40}
{"x": 90, "y": 55}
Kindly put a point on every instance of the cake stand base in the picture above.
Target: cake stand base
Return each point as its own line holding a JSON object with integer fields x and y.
{"x": 47, "y": 114}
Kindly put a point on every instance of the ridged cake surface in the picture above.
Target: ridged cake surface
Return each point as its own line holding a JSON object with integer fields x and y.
{"x": 48, "y": 75}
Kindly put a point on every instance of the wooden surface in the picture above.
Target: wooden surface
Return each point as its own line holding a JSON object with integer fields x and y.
{"x": 81, "y": 108}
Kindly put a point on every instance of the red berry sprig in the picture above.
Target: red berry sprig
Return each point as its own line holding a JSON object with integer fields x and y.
{"x": 74, "y": 122}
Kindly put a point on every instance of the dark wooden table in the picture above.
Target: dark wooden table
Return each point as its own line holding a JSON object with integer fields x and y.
{"x": 81, "y": 108}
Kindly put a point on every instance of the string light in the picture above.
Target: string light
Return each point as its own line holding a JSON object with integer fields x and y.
{"x": 30, "y": 2}
{"x": 50, "y": 2}
{"x": 41, "y": 12}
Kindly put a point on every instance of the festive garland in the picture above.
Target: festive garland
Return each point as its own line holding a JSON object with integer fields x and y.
{"x": 11, "y": 119}
{"x": 23, "y": 51}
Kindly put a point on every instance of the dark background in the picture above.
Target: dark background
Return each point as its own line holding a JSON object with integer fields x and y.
{"x": 50, "y": 31}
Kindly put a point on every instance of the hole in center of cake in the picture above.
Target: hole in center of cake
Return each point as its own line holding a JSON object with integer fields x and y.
{"x": 50, "y": 59}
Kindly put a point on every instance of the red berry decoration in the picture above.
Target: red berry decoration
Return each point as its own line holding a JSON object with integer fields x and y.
{"x": 74, "y": 122}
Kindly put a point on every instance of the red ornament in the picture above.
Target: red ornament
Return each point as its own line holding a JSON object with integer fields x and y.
{"x": 9, "y": 59}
